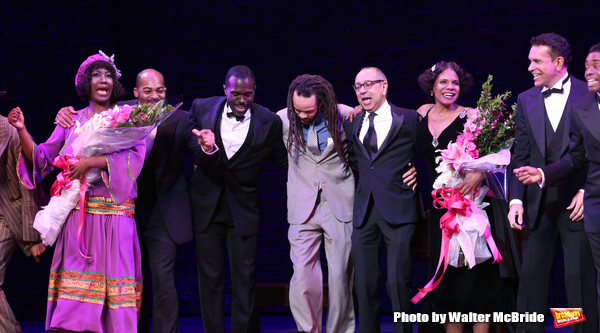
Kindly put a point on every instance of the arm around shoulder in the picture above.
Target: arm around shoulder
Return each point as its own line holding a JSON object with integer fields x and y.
{"x": 423, "y": 108}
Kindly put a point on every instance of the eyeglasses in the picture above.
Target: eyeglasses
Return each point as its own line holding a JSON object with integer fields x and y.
{"x": 367, "y": 84}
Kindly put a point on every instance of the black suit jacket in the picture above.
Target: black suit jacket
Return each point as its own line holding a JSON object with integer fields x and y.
{"x": 162, "y": 180}
{"x": 583, "y": 147}
{"x": 530, "y": 149}
{"x": 239, "y": 174}
{"x": 382, "y": 175}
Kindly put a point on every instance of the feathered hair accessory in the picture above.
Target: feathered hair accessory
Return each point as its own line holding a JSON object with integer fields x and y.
{"x": 101, "y": 56}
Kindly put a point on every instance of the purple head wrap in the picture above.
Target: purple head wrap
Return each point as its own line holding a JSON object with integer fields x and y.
{"x": 101, "y": 56}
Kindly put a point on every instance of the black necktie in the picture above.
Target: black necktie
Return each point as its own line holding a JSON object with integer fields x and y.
{"x": 551, "y": 91}
{"x": 238, "y": 118}
{"x": 370, "y": 139}
{"x": 597, "y": 97}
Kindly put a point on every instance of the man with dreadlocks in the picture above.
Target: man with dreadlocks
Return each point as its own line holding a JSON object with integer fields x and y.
{"x": 320, "y": 195}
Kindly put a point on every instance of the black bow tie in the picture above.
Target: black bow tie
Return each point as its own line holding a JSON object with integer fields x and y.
{"x": 238, "y": 118}
{"x": 551, "y": 91}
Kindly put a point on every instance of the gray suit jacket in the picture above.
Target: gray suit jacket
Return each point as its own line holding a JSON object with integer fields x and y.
{"x": 18, "y": 204}
{"x": 308, "y": 173}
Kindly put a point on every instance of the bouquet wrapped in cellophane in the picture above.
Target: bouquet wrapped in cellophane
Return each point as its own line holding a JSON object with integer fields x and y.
{"x": 483, "y": 146}
{"x": 107, "y": 132}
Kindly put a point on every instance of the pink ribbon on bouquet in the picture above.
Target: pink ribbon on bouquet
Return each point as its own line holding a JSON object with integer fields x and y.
{"x": 451, "y": 199}
{"x": 63, "y": 182}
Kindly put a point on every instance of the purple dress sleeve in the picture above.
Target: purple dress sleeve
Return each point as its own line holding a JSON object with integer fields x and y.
{"x": 123, "y": 169}
{"x": 42, "y": 158}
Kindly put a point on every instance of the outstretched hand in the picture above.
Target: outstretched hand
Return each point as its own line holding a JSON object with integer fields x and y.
{"x": 528, "y": 175}
{"x": 206, "y": 139}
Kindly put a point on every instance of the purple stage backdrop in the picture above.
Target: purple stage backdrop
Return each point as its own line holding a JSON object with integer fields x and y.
{"x": 194, "y": 43}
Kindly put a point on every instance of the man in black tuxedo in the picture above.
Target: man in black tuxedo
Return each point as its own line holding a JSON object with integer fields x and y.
{"x": 163, "y": 212}
{"x": 551, "y": 216}
{"x": 225, "y": 198}
{"x": 381, "y": 146}
{"x": 163, "y": 208}
{"x": 585, "y": 140}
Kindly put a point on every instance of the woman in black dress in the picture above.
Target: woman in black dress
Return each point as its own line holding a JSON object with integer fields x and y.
{"x": 479, "y": 288}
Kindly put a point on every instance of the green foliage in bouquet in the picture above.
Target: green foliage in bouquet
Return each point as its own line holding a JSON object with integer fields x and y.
{"x": 146, "y": 114}
{"x": 497, "y": 126}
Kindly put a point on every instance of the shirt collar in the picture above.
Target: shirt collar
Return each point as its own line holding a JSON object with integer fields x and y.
{"x": 560, "y": 84}
{"x": 228, "y": 109}
{"x": 315, "y": 122}
{"x": 385, "y": 111}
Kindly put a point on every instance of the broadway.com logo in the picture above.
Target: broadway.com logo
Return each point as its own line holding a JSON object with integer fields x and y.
{"x": 567, "y": 316}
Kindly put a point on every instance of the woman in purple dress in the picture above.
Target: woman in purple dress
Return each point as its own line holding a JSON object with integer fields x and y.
{"x": 95, "y": 281}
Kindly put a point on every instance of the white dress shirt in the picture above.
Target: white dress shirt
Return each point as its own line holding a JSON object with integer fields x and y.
{"x": 555, "y": 103}
{"x": 233, "y": 132}
{"x": 382, "y": 123}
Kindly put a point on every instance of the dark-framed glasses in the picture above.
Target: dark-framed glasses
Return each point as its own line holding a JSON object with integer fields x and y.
{"x": 367, "y": 84}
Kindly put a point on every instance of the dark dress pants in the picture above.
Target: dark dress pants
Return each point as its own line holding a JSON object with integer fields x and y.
{"x": 158, "y": 255}
{"x": 366, "y": 241}
{"x": 540, "y": 247}
{"x": 210, "y": 261}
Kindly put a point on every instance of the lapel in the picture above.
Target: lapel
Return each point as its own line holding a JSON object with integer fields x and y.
{"x": 3, "y": 135}
{"x": 578, "y": 90}
{"x": 163, "y": 142}
{"x": 358, "y": 124}
{"x": 329, "y": 149}
{"x": 537, "y": 119}
{"x": 209, "y": 118}
{"x": 261, "y": 126}
{"x": 397, "y": 121}
{"x": 590, "y": 115}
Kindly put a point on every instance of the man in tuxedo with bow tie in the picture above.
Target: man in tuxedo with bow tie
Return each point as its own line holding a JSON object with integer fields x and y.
{"x": 381, "y": 145}
{"x": 585, "y": 140}
{"x": 225, "y": 198}
{"x": 550, "y": 217}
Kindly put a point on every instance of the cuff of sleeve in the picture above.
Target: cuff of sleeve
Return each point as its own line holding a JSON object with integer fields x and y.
{"x": 542, "y": 182}
{"x": 214, "y": 150}
{"x": 515, "y": 202}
